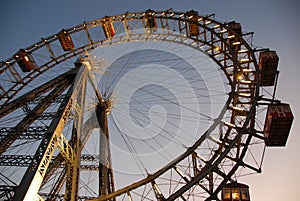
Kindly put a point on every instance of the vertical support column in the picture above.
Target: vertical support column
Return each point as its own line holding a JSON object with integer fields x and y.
{"x": 106, "y": 181}
{"x": 73, "y": 170}
{"x": 32, "y": 180}
{"x": 34, "y": 176}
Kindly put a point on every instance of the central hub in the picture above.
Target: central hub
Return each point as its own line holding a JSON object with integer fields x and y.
{"x": 105, "y": 106}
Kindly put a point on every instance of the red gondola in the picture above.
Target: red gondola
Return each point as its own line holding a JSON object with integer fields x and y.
{"x": 193, "y": 27}
{"x": 150, "y": 19}
{"x": 278, "y": 123}
{"x": 24, "y": 60}
{"x": 108, "y": 27}
{"x": 268, "y": 62}
{"x": 65, "y": 40}
{"x": 235, "y": 192}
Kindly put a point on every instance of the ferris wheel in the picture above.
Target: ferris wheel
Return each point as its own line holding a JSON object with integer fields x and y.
{"x": 154, "y": 105}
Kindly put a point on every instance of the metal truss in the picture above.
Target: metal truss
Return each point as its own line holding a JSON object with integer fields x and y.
{"x": 190, "y": 174}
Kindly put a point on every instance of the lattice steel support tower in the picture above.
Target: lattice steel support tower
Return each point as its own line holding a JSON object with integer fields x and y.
{"x": 106, "y": 182}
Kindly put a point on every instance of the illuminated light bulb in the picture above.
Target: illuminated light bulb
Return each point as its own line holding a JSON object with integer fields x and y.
{"x": 223, "y": 30}
{"x": 236, "y": 43}
{"x": 242, "y": 51}
{"x": 26, "y": 58}
{"x": 237, "y": 108}
{"x": 235, "y": 196}
{"x": 244, "y": 60}
{"x": 245, "y": 94}
{"x": 247, "y": 70}
{"x": 245, "y": 82}
{"x": 229, "y": 124}
{"x": 239, "y": 77}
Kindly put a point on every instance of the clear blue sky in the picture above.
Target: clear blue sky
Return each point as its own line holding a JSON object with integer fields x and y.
{"x": 274, "y": 22}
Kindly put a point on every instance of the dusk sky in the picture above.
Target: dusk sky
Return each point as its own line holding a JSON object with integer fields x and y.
{"x": 275, "y": 24}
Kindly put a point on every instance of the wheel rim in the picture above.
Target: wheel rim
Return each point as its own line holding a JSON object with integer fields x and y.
{"x": 213, "y": 41}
